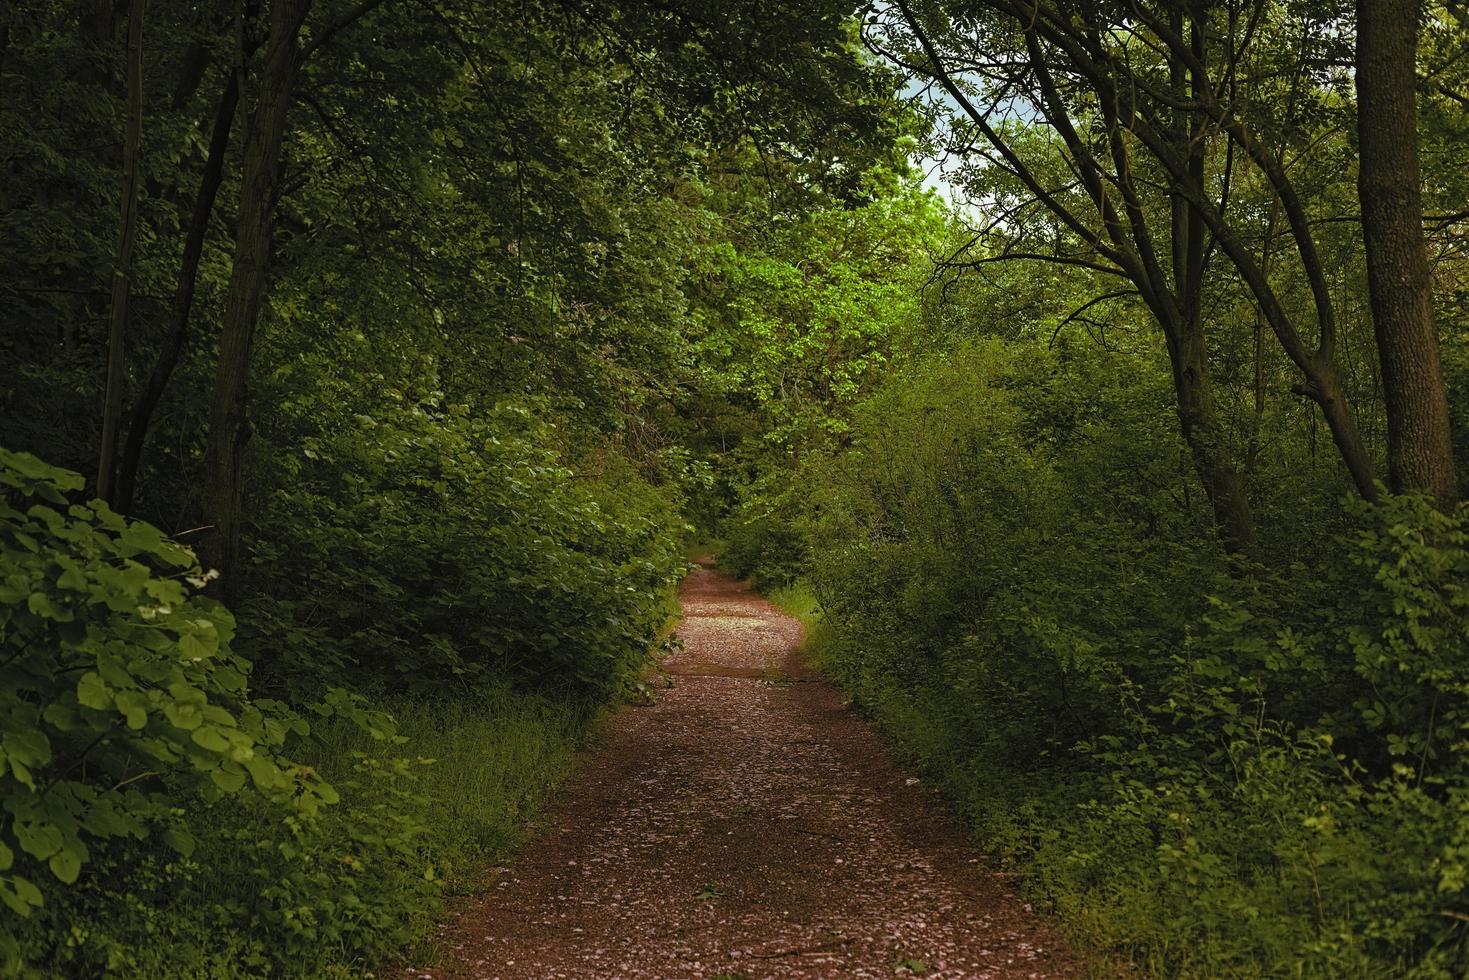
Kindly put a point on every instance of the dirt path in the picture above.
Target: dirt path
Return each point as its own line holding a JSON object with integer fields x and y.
{"x": 745, "y": 826}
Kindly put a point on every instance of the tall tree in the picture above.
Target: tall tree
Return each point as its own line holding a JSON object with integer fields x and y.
{"x": 259, "y": 189}
{"x": 1145, "y": 119}
{"x": 122, "y": 273}
{"x": 210, "y": 180}
{"x": 1419, "y": 448}
{"x": 1166, "y": 268}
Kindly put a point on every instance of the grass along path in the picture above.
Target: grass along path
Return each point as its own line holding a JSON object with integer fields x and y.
{"x": 746, "y": 825}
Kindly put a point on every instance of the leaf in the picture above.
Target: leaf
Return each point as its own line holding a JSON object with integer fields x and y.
{"x": 13, "y": 589}
{"x": 29, "y": 746}
{"x": 134, "y": 707}
{"x": 66, "y": 864}
{"x": 92, "y": 692}
{"x": 185, "y": 716}
{"x": 37, "y": 470}
{"x": 265, "y": 774}
{"x": 113, "y": 672}
{"x": 179, "y": 839}
{"x": 109, "y": 818}
{"x": 40, "y": 604}
{"x": 140, "y": 535}
{"x": 39, "y": 840}
{"x": 19, "y": 895}
{"x": 228, "y": 777}
{"x": 211, "y": 738}
{"x": 73, "y": 578}
{"x": 21, "y": 773}
{"x": 192, "y": 647}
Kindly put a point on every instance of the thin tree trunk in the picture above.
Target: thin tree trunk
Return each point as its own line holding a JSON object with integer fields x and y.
{"x": 1419, "y": 448}
{"x": 1198, "y": 418}
{"x": 1324, "y": 387}
{"x": 122, "y": 272}
{"x": 1253, "y": 448}
{"x": 260, "y": 179}
{"x": 1199, "y": 424}
{"x": 183, "y": 297}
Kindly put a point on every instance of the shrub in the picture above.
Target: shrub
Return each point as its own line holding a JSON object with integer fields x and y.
{"x": 153, "y": 825}
{"x": 122, "y": 707}
{"x": 430, "y": 550}
{"x": 763, "y": 540}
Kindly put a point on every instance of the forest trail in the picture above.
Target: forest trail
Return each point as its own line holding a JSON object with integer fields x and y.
{"x": 747, "y": 825}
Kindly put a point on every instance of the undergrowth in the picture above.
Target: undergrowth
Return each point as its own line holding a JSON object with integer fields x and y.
{"x": 421, "y": 816}
{"x": 419, "y": 819}
{"x": 166, "y": 814}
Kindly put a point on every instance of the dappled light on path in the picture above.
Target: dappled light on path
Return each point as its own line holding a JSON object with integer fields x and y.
{"x": 749, "y": 825}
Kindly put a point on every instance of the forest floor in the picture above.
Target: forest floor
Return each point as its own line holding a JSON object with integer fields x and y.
{"x": 746, "y": 825}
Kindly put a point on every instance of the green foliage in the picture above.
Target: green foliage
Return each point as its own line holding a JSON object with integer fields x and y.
{"x": 516, "y": 334}
{"x": 1327, "y": 845}
{"x": 420, "y": 813}
{"x": 800, "y": 321}
{"x": 763, "y": 539}
{"x": 121, "y": 699}
{"x": 114, "y": 670}
{"x": 468, "y": 444}
{"x": 1208, "y": 768}
{"x": 149, "y": 805}
{"x": 795, "y": 324}
{"x": 428, "y": 546}
{"x": 957, "y": 507}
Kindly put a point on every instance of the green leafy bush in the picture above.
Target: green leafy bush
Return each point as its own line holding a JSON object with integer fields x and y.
{"x": 120, "y": 699}
{"x": 431, "y": 547}
{"x": 764, "y": 539}
{"x": 153, "y": 825}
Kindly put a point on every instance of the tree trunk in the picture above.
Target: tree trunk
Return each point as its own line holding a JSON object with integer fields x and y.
{"x": 1198, "y": 419}
{"x": 1199, "y": 424}
{"x": 1419, "y": 449}
{"x": 183, "y": 297}
{"x": 1324, "y": 387}
{"x": 122, "y": 272}
{"x": 259, "y": 184}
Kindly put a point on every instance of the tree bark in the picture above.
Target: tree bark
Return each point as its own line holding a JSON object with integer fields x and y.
{"x": 1419, "y": 448}
{"x": 183, "y": 297}
{"x": 1323, "y": 386}
{"x": 1199, "y": 424}
{"x": 259, "y": 185}
{"x": 122, "y": 272}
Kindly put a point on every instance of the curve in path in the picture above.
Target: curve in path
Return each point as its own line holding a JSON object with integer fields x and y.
{"x": 747, "y": 825}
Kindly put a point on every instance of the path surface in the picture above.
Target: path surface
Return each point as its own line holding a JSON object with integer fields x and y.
{"x": 745, "y": 826}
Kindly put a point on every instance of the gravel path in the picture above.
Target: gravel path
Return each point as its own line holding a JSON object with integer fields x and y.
{"x": 745, "y": 826}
